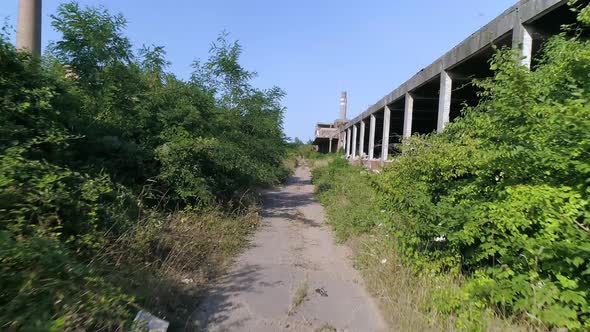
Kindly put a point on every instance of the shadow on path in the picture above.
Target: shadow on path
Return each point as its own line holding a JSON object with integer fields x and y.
{"x": 218, "y": 301}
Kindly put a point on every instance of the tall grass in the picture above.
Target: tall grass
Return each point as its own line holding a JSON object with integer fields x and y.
{"x": 168, "y": 261}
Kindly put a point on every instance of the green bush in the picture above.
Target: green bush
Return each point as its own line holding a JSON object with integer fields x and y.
{"x": 351, "y": 202}
{"x": 52, "y": 217}
{"x": 502, "y": 195}
{"x": 94, "y": 138}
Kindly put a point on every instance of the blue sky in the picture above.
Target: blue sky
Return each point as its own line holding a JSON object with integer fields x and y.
{"x": 313, "y": 49}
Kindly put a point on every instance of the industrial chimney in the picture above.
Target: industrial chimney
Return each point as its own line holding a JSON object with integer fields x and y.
{"x": 28, "y": 32}
{"x": 343, "y": 105}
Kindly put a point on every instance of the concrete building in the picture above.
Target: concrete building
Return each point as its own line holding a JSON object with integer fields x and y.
{"x": 28, "y": 31}
{"x": 328, "y": 136}
{"x": 434, "y": 96}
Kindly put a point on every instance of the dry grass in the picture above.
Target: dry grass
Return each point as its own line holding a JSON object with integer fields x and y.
{"x": 326, "y": 328}
{"x": 291, "y": 164}
{"x": 400, "y": 294}
{"x": 169, "y": 261}
{"x": 324, "y": 161}
{"x": 298, "y": 297}
{"x": 404, "y": 298}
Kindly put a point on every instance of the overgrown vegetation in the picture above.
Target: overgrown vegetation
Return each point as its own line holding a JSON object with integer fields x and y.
{"x": 122, "y": 186}
{"x": 351, "y": 204}
{"x": 496, "y": 206}
{"x": 306, "y": 153}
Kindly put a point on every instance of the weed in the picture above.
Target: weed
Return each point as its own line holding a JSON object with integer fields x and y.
{"x": 326, "y": 328}
{"x": 169, "y": 264}
{"x": 298, "y": 298}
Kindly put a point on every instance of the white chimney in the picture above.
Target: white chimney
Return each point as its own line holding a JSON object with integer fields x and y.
{"x": 343, "y": 106}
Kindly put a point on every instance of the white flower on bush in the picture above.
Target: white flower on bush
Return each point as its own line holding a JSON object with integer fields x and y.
{"x": 440, "y": 239}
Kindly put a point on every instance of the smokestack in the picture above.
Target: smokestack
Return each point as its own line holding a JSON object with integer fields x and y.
{"x": 343, "y": 105}
{"x": 28, "y": 32}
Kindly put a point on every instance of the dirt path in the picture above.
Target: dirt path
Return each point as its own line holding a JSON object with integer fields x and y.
{"x": 292, "y": 254}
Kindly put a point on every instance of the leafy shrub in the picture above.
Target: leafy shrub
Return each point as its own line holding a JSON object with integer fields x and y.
{"x": 52, "y": 217}
{"x": 501, "y": 195}
{"x": 94, "y": 139}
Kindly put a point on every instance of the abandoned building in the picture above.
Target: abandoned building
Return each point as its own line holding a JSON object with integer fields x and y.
{"x": 436, "y": 94}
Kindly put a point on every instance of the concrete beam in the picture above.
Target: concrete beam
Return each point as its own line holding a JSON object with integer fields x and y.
{"x": 386, "y": 125}
{"x": 444, "y": 100}
{"x": 531, "y": 10}
{"x": 372, "y": 123}
{"x": 330, "y": 146}
{"x": 526, "y": 11}
{"x": 28, "y": 31}
{"x": 408, "y": 115}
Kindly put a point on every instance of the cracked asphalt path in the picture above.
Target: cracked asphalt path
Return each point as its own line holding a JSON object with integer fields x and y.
{"x": 293, "y": 247}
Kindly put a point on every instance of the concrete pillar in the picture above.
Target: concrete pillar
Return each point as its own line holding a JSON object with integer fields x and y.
{"x": 28, "y": 31}
{"x": 348, "y": 142}
{"x": 330, "y": 146}
{"x": 372, "y": 136}
{"x": 444, "y": 100}
{"x": 522, "y": 42}
{"x": 386, "y": 124}
{"x": 362, "y": 139}
{"x": 408, "y": 113}
{"x": 354, "y": 141}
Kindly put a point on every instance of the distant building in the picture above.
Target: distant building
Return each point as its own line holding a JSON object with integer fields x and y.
{"x": 327, "y": 135}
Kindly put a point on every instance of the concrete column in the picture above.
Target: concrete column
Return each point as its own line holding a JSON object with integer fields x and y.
{"x": 408, "y": 113}
{"x": 386, "y": 124}
{"x": 28, "y": 31}
{"x": 444, "y": 100}
{"x": 372, "y": 136}
{"x": 354, "y": 141}
{"x": 362, "y": 139}
{"x": 330, "y": 146}
{"x": 522, "y": 42}
{"x": 348, "y": 142}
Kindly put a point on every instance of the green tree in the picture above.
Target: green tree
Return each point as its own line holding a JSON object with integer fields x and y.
{"x": 95, "y": 135}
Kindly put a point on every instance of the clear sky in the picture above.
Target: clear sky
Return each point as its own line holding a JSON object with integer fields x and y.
{"x": 313, "y": 49}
